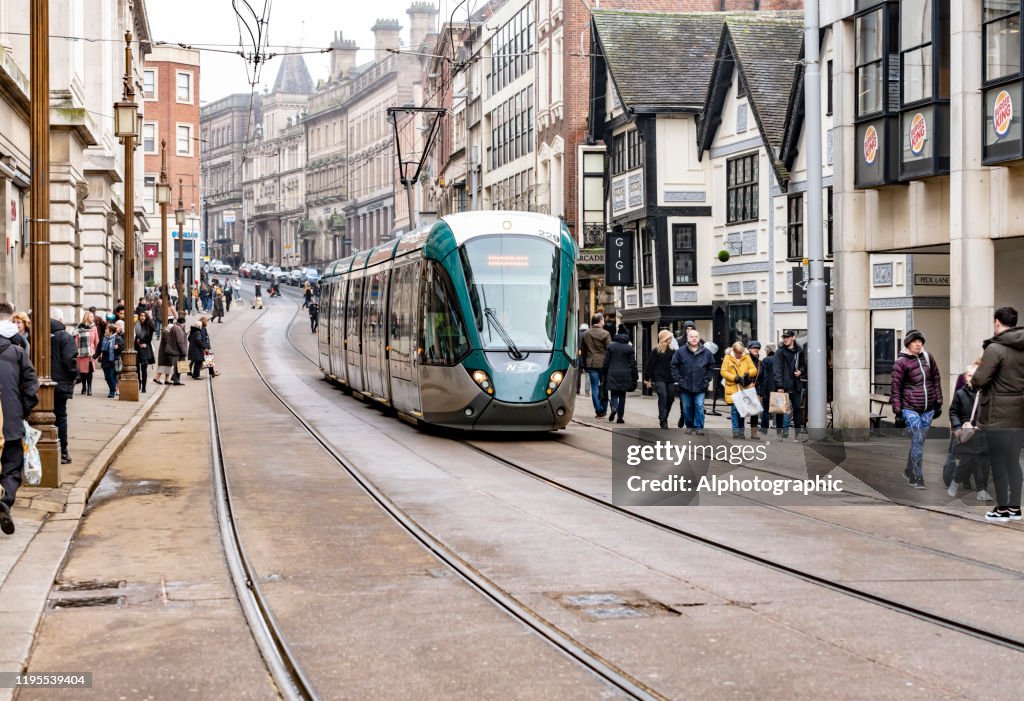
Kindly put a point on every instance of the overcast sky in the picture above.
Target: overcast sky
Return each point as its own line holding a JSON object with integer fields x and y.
{"x": 307, "y": 23}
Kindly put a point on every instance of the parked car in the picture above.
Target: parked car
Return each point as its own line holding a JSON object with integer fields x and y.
{"x": 312, "y": 276}
{"x": 245, "y": 270}
{"x": 296, "y": 276}
{"x": 276, "y": 275}
{"x": 259, "y": 271}
{"x": 221, "y": 267}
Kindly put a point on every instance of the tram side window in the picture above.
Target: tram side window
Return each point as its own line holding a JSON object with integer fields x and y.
{"x": 444, "y": 334}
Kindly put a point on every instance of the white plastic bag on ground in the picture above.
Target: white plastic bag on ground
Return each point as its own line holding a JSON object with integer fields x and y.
{"x": 32, "y": 472}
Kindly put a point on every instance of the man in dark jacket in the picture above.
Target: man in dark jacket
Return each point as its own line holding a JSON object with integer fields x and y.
{"x": 19, "y": 388}
{"x": 619, "y": 374}
{"x": 693, "y": 366}
{"x": 63, "y": 371}
{"x": 595, "y": 344}
{"x": 1000, "y": 377}
{"x": 765, "y": 385}
{"x": 790, "y": 376}
{"x": 916, "y": 396}
{"x": 178, "y": 348}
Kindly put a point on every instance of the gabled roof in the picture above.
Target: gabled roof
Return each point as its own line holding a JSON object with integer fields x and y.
{"x": 293, "y": 76}
{"x": 659, "y": 61}
{"x": 766, "y": 48}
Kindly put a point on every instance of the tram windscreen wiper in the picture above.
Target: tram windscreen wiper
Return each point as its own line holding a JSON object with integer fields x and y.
{"x": 513, "y": 351}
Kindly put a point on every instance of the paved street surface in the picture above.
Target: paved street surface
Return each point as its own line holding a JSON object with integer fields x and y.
{"x": 145, "y": 602}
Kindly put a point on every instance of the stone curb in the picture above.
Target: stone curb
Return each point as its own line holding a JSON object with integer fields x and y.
{"x": 24, "y": 593}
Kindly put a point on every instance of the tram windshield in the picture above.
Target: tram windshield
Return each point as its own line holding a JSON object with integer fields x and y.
{"x": 513, "y": 285}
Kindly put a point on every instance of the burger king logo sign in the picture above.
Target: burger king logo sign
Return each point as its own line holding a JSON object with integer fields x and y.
{"x": 1002, "y": 113}
{"x": 918, "y": 134}
{"x": 870, "y": 145}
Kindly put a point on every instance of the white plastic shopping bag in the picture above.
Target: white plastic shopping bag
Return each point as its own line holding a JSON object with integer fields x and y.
{"x": 33, "y": 467}
{"x": 747, "y": 403}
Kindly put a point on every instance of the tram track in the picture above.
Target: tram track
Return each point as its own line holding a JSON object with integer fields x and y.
{"x": 281, "y": 662}
{"x": 501, "y": 598}
{"x": 821, "y": 581}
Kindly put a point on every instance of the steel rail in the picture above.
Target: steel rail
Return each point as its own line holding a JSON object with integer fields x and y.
{"x": 589, "y": 659}
{"x": 965, "y": 628}
{"x": 281, "y": 662}
{"x": 821, "y": 581}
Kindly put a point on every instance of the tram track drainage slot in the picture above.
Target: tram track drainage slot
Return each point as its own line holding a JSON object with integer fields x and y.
{"x": 86, "y": 602}
{"x": 88, "y": 586}
{"x": 599, "y": 606}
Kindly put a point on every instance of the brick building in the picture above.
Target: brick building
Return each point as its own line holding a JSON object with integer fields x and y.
{"x": 170, "y": 93}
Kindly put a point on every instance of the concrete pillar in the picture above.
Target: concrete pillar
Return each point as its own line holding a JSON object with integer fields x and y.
{"x": 971, "y": 250}
{"x": 852, "y": 351}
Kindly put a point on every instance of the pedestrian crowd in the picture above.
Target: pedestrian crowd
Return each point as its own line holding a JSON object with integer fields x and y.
{"x": 986, "y": 412}
{"x": 986, "y": 415}
{"x": 97, "y": 342}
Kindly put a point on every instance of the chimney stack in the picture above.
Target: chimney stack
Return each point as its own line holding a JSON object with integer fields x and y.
{"x": 422, "y": 22}
{"x": 343, "y": 56}
{"x": 385, "y": 34}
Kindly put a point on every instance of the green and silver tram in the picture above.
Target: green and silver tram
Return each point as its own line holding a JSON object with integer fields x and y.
{"x": 469, "y": 323}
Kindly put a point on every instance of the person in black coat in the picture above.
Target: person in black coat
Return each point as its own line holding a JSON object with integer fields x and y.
{"x": 64, "y": 372}
{"x": 972, "y": 456}
{"x": 658, "y": 374}
{"x": 144, "y": 331}
{"x": 19, "y": 388}
{"x": 791, "y": 376}
{"x": 693, "y": 366}
{"x": 620, "y": 374}
{"x": 314, "y": 316}
{"x": 196, "y": 350}
{"x": 765, "y": 385}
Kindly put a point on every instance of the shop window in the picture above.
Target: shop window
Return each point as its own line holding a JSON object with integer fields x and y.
{"x": 742, "y": 322}
{"x": 884, "y": 359}
{"x": 741, "y": 189}
{"x": 1002, "y": 76}
{"x": 795, "y": 227}
{"x": 877, "y": 99}
{"x": 647, "y": 255}
{"x": 924, "y": 89}
{"x": 684, "y": 254}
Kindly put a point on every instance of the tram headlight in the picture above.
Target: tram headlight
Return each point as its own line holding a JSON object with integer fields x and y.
{"x": 556, "y": 379}
{"x": 480, "y": 377}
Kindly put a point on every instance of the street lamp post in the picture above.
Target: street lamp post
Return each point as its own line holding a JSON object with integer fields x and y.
{"x": 179, "y": 220}
{"x": 163, "y": 198}
{"x": 42, "y": 417}
{"x": 126, "y": 127}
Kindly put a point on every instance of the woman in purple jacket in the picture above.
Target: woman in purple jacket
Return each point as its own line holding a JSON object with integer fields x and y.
{"x": 917, "y": 397}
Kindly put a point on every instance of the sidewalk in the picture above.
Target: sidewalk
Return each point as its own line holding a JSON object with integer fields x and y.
{"x": 46, "y": 519}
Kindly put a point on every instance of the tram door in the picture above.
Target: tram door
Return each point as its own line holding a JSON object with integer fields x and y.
{"x": 323, "y": 333}
{"x": 402, "y": 336}
{"x": 353, "y": 339}
{"x": 374, "y": 319}
{"x": 336, "y": 328}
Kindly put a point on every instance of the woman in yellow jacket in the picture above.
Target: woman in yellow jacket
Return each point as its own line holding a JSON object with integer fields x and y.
{"x": 739, "y": 372}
